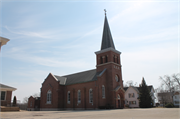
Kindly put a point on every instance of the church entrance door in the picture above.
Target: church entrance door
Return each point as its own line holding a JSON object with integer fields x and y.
{"x": 119, "y": 104}
{"x": 119, "y": 101}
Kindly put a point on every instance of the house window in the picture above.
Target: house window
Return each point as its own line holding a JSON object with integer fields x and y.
{"x": 131, "y": 95}
{"x": 90, "y": 96}
{"x": 68, "y": 97}
{"x": 79, "y": 96}
{"x": 106, "y": 58}
{"x": 49, "y": 97}
{"x": 117, "y": 60}
{"x": 3, "y": 95}
{"x": 175, "y": 97}
{"x": 103, "y": 91}
{"x": 132, "y": 102}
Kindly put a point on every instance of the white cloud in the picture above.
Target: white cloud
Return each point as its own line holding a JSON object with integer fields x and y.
{"x": 46, "y": 61}
{"x": 139, "y": 11}
{"x": 163, "y": 34}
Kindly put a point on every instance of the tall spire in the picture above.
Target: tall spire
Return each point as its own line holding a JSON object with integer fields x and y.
{"x": 107, "y": 40}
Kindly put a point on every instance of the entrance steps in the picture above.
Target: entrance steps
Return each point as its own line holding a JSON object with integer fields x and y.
{"x": 7, "y": 109}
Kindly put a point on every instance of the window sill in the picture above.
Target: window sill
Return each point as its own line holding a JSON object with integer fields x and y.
{"x": 48, "y": 102}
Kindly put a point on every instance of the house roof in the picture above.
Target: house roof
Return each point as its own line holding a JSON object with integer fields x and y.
{"x": 138, "y": 88}
{"x": 5, "y": 87}
{"x": 125, "y": 88}
{"x": 165, "y": 93}
{"x": 107, "y": 40}
{"x": 81, "y": 77}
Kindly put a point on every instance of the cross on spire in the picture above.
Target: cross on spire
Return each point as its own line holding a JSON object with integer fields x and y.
{"x": 105, "y": 11}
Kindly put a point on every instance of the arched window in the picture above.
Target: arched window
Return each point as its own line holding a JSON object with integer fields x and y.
{"x": 106, "y": 58}
{"x": 118, "y": 97}
{"x": 68, "y": 97}
{"x": 79, "y": 96}
{"x": 117, "y": 60}
{"x": 101, "y": 59}
{"x": 31, "y": 104}
{"x": 90, "y": 96}
{"x": 49, "y": 94}
{"x": 103, "y": 91}
{"x": 117, "y": 78}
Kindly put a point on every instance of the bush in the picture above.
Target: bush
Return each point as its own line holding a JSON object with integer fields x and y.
{"x": 126, "y": 105}
{"x": 102, "y": 107}
{"x": 108, "y": 106}
{"x": 169, "y": 105}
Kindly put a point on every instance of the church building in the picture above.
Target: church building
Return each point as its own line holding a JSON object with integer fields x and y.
{"x": 101, "y": 87}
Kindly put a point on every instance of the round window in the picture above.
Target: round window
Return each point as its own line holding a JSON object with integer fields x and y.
{"x": 116, "y": 78}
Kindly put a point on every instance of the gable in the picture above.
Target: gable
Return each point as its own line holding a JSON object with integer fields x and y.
{"x": 50, "y": 78}
{"x": 119, "y": 87}
{"x": 132, "y": 90}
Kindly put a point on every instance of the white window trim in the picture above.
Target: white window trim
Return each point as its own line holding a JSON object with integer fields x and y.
{"x": 5, "y": 95}
{"x": 79, "y": 101}
{"x": 68, "y": 101}
{"x": 103, "y": 92}
{"x": 90, "y": 97}
{"x": 50, "y": 99}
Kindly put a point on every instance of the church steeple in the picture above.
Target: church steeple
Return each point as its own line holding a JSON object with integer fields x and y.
{"x": 107, "y": 41}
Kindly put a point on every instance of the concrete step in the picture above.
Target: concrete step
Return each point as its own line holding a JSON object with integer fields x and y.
{"x": 7, "y": 109}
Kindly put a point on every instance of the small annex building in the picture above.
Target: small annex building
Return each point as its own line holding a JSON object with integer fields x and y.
{"x": 101, "y": 87}
{"x": 6, "y": 94}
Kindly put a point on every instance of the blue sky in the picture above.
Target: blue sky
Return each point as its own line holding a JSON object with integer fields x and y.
{"x": 61, "y": 37}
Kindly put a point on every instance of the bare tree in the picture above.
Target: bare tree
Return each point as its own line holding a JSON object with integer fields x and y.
{"x": 167, "y": 83}
{"x": 176, "y": 79}
{"x": 130, "y": 83}
{"x": 36, "y": 95}
{"x": 25, "y": 100}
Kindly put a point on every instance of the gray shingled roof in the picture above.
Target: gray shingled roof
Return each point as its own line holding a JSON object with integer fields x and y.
{"x": 61, "y": 79}
{"x": 125, "y": 88}
{"x": 107, "y": 40}
{"x": 7, "y": 87}
{"x": 81, "y": 77}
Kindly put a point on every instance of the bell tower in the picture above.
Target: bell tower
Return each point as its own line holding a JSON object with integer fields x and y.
{"x": 109, "y": 58}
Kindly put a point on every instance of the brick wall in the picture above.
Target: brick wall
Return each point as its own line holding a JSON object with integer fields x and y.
{"x": 7, "y": 101}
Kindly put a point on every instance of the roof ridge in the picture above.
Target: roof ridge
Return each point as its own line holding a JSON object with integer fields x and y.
{"x": 75, "y": 73}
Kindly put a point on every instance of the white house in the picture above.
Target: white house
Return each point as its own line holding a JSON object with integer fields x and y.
{"x": 176, "y": 99}
{"x": 132, "y": 94}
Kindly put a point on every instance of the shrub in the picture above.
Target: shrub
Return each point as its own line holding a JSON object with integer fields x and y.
{"x": 169, "y": 105}
{"x": 126, "y": 105}
{"x": 102, "y": 107}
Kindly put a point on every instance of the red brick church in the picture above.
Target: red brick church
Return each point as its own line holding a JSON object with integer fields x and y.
{"x": 98, "y": 88}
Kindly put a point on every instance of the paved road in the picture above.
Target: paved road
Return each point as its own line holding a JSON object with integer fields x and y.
{"x": 152, "y": 113}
